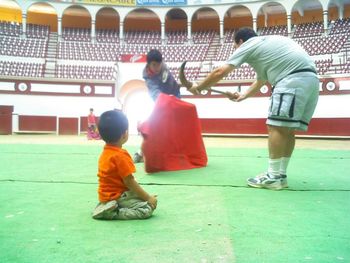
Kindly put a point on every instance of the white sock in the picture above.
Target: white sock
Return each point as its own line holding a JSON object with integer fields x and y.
{"x": 284, "y": 165}
{"x": 274, "y": 167}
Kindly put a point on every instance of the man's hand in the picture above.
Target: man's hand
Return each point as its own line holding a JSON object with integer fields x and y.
{"x": 194, "y": 89}
{"x": 152, "y": 201}
{"x": 237, "y": 97}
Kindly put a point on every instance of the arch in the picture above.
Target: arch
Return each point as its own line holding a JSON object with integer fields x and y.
{"x": 42, "y": 14}
{"x": 176, "y": 20}
{"x": 137, "y": 104}
{"x": 107, "y": 18}
{"x": 10, "y": 11}
{"x": 142, "y": 19}
{"x": 238, "y": 16}
{"x": 271, "y": 14}
{"x": 338, "y": 9}
{"x": 129, "y": 87}
{"x": 307, "y": 11}
{"x": 205, "y": 19}
{"x": 76, "y": 16}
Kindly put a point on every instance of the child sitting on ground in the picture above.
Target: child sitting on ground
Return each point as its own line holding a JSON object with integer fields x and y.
{"x": 120, "y": 196}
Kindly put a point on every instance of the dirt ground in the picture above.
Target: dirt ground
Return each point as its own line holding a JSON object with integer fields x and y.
{"x": 222, "y": 142}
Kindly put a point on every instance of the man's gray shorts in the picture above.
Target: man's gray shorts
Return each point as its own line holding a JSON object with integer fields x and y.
{"x": 293, "y": 101}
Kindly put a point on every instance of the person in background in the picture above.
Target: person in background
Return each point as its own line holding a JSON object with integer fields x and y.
{"x": 158, "y": 80}
{"x": 92, "y": 132}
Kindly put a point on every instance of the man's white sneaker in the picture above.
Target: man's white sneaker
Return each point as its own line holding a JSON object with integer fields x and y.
{"x": 265, "y": 181}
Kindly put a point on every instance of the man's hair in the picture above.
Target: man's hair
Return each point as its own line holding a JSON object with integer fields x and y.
{"x": 154, "y": 55}
{"x": 112, "y": 125}
{"x": 244, "y": 33}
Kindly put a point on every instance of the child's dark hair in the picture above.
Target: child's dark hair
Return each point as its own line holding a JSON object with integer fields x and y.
{"x": 154, "y": 55}
{"x": 112, "y": 125}
{"x": 244, "y": 33}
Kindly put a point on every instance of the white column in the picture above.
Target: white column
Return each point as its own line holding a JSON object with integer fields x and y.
{"x": 24, "y": 23}
{"x": 59, "y": 26}
{"x": 93, "y": 29}
{"x": 189, "y": 31}
{"x": 121, "y": 31}
{"x": 289, "y": 24}
{"x": 255, "y": 24}
{"x": 325, "y": 20}
{"x": 341, "y": 11}
{"x": 162, "y": 31}
{"x": 222, "y": 31}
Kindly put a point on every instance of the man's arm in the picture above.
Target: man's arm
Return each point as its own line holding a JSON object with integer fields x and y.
{"x": 253, "y": 89}
{"x": 214, "y": 77}
{"x": 153, "y": 88}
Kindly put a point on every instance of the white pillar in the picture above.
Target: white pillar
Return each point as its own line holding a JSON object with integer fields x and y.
{"x": 189, "y": 31}
{"x": 93, "y": 29}
{"x": 341, "y": 11}
{"x": 289, "y": 24}
{"x": 162, "y": 32}
{"x": 255, "y": 24}
{"x": 221, "y": 30}
{"x": 24, "y": 23}
{"x": 325, "y": 20}
{"x": 59, "y": 26}
{"x": 121, "y": 31}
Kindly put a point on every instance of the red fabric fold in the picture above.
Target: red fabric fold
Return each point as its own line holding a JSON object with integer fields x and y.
{"x": 172, "y": 138}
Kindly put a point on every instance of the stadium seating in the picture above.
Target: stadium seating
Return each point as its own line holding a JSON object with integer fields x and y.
{"x": 23, "y": 47}
{"x": 84, "y": 72}
{"x": 10, "y": 28}
{"x": 76, "y": 45}
{"x": 203, "y": 37}
{"x": 308, "y": 29}
{"x": 108, "y": 36}
{"x": 142, "y": 37}
{"x": 76, "y": 34}
{"x": 274, "y": 30}
{"x": 22, "y": 69}
{"x": 176, "y": 37}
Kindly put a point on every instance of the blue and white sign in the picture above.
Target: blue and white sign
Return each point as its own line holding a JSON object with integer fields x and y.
{"x": 161, "y": 2}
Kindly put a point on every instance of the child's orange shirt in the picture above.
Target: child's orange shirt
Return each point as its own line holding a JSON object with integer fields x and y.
{"x": 114, "y": 164}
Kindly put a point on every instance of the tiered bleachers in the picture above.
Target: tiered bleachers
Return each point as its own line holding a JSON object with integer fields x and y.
{"x": 244, "y": 72}
{"x": 37, "y": 31}
{"x": 322, "y": 44}
{"x": 274, "y": 30}
{"x": 142, "y": 37}
{"x": 191, "y": 72}
{"x": 203, "y": 37}
{"x": 76, "y": 34}
{"x": 25, "y": 69}
{"x": 179, "y": 53}
{"x": 225, "y": 51}
{"x": 323, "y": 65}
{"x": 84, "y": 72}
{"x": 74, "y": 50}
{"x": 29, "y": 47}
{"x": 108, "y": 36}
{"x": 229, "y": 36}
{"x": 10, "y": 28}
{"x": 308, "y": 30}
{"x": 176, "y": 37}
{"x": 340, "y": 26}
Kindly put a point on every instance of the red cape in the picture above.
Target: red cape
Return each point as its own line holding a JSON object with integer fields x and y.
{"x": 172, "y": 138}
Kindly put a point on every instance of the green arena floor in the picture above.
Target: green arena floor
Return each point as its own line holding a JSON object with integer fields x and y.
{"x": 47, "y": 192}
